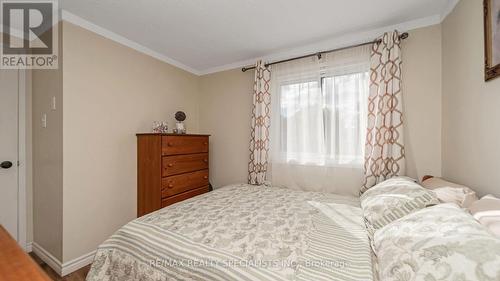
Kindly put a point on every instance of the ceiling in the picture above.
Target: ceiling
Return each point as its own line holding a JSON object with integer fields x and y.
{"x": 204, "y": 36}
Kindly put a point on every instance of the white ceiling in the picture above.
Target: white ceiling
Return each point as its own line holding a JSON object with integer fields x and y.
{"x": 207, "y": 35}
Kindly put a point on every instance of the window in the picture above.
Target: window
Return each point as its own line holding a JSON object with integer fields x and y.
{"x": 323, "y": 120}
{"x": 319, "y": 111}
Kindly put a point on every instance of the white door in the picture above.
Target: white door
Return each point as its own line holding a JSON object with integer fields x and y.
{"x": 9, "y": 93}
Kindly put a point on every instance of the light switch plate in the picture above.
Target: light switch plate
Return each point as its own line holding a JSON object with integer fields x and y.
{"x": 44, "y": 120}
{"x": 53, "y": 103}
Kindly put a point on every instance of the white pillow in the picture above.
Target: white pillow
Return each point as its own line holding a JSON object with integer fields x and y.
{"x": 393, "y": 199}
{"x": 443, "y": 242}
{"x": 487, "y": 212}
{"x": 448, "y": 192}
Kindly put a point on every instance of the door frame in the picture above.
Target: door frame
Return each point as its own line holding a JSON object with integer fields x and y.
{"x": 24, "y": 89}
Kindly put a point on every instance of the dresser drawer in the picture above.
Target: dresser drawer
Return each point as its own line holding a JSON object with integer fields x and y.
{"x": 183, "y": 196}
{"x": 174, "y": 165}
{"x": 177, "y": 184}
{"x": 175, "y": 145}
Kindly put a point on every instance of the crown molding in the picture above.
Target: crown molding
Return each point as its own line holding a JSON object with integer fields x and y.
{"x": 76, "y": 20}
{"x": 332, "y": 43}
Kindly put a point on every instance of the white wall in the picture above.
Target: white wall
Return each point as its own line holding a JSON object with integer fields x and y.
{"x": 471, "y": 114}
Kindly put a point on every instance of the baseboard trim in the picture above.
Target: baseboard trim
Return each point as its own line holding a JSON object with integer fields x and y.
{"x": 75, "y": 264}
{"x": 66, "y": 268}
{"x": 48, "y": 258}
{"x": 29, "y": 247}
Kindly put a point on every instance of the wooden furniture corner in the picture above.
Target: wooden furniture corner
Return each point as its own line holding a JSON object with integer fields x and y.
{"x": 170, "y": 168}
{"x": 15, "y": 264}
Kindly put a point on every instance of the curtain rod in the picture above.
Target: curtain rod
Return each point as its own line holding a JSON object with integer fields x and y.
{"x": 402, "y": 37}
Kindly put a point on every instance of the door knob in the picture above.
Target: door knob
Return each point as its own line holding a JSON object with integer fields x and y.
{"x": 5, "y": 164}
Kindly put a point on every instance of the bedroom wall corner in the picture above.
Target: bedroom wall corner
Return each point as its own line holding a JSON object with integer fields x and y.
{"x": 225, "y": 112}
{"x": 470, "y": 105}
{"x": 111, "y": 92}
{"x": 47, "y": 157}
{"x": 422, "y": 98}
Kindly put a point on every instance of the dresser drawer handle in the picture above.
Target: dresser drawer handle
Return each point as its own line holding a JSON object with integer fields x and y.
{"x": 205, "y": 160}
{"x": 205, "y": 177}
{"x": 205, "y": 143}
{"x": 170, "y": 144}
{"x": 170, "y": 185}
{"x": 170, "y": 164}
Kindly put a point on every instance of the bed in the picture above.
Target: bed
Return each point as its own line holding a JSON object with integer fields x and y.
{"x": 242, "y": 232}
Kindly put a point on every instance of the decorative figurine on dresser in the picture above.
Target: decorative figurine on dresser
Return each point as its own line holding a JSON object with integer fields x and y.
{"x": 170, "y": 168}
{"x": 180, "y": 128}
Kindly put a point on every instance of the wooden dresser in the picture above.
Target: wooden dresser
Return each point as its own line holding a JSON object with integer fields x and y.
{"x": 170, "y": 168}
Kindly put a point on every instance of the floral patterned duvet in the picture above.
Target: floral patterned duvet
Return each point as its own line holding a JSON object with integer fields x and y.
{"x": 242, "y": 232}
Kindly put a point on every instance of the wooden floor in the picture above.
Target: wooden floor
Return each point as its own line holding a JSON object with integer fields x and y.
{"x": 78, "y": 275}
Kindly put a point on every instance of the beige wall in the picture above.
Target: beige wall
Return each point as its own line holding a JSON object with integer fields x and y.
{"x": 111, "y": 92}
{"x": 471, "y": 114}
{"x": 225, "y": 112}
{"x": 226, "y": 99}
{"x": 422, "y": 101}
{"x": 48, "y": 161}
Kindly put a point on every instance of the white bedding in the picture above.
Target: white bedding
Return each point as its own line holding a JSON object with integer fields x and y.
{"x": 242, "y": 232}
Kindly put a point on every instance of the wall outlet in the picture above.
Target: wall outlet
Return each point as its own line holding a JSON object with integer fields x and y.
{"x": 53, "y": 103}
{"x": 44, "y": 120}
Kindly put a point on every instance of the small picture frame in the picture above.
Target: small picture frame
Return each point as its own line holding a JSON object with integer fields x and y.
{"x": 160, "y": 127}
{"x": 492, "y": 38}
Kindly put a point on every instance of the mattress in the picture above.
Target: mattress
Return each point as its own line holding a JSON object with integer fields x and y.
{"x": 242, "y": 232}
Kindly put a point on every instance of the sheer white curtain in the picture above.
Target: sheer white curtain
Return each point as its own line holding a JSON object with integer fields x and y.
{"x": 318, "y": 122}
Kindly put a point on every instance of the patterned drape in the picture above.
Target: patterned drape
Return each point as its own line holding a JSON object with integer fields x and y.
{"x": 384, "y": 151}
{"x": 261, "y": 120}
